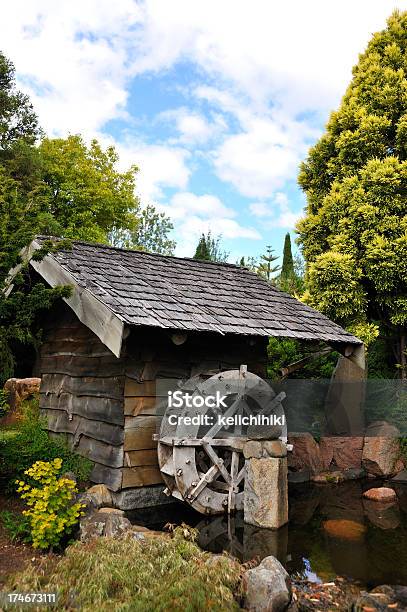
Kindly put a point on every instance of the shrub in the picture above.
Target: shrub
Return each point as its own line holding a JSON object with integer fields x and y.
{"x": 31, "y": 443}
{"x": 16, "y": 525}
{"x": 50, "y": 509}
{"x": 4, "y": 407}
{"x": 159, "y": 573}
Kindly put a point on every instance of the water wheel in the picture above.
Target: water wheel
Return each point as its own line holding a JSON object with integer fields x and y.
{"x": 203, "y": 463}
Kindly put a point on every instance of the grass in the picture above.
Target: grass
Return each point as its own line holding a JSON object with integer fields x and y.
{"x": 160, "y": 574}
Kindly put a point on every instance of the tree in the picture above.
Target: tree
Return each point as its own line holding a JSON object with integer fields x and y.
{"x": 249, "y": 262}
{"x": 265, "y": 268}
{"x": 354, "y": 234}
{"x": 290, "y": 279}
{"x": 17, "y": 117}
{"x": 209, "y": 249}
{"x": 151, "y": 233}
{"x": 287, "y": 269}
{"x": 87, "y": 195}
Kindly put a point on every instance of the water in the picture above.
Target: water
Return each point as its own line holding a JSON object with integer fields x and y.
{"x": 332, "y": 531}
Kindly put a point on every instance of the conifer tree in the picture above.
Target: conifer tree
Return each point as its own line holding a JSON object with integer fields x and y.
{"x": 266, "y": 269}
{"x": 287, "y": 269}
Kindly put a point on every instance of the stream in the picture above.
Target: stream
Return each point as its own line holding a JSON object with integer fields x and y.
{"x": 332, "y": 531}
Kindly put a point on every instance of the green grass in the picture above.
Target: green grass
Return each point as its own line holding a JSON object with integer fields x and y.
{"x": 161, "y": 574}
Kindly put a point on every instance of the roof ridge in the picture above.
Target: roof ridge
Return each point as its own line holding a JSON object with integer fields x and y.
{"x": 146, "y": 253}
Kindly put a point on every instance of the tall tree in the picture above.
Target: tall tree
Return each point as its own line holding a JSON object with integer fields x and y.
{"x": 287, "y": 269}
{"x": 266, "y": 268}
{"x": 354, "y": 234}
{"x": 151, "y": 233}
{"x": 209, "y": 249}
{"x": 87, "y": 195}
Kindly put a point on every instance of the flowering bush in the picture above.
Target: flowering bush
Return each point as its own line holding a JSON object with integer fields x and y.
{"x": 50, "y": 509}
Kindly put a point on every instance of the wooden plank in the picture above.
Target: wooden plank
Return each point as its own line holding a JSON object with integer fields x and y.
{"x": 85, "y": 385}
{"x": 97, "y": 451}
{"x": 141, "y": 476}
{"x": 140, "y": 457}
{"x": 59, "y": 421}
{"x": 140, "y": 435}
{"x": 111, "y": 477}
{"x": 103, "y": 409}
{"x": 134, "y": 406}
{"x": 76, "y": 365}
{"x": 133, "y": 388}
{"x": 140, "y": 422}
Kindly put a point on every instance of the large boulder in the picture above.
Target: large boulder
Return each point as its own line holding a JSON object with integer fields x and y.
{"x": 380, "y": 494}
{"x": 267, "y": 587}
{"x": 18, "y": 389}
{"x": 341, "y": 452}
{"x": 381, "y": 450}
{"x": 306, "y": 454}
{"x": 108, "y": 522}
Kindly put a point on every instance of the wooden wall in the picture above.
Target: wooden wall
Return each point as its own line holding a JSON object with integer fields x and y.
{"x": 106, "y": 407}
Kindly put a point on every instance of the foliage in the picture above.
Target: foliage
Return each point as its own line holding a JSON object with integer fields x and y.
{"x": 17, "y": 117}
{"x": 31, "y": 443}
{"x": 51, "y": 512}
{"x": 248, "y": 262}
{"x": 209, "y": 249}
{"x": 85, "y": 192}
{"x": 290, "y": 278}
{"x": 151, "y": 233}
{"x": 16, "y": 525}
{"x": 4, "y": 407}
{"x": 287, "y": 269}
{"x": 160, "y": 574}
{"x": 285, "y": 351}
{"x": 265, "y": 268}
{"x": 354, "y": 234}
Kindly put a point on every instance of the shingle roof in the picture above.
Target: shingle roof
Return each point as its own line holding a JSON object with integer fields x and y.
{"x": 186, "y": 294}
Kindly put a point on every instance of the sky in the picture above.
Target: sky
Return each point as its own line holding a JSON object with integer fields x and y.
{"x": 216, "y": 101}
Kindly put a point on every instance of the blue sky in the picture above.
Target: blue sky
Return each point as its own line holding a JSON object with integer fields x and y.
{"x": 217, "y": 102}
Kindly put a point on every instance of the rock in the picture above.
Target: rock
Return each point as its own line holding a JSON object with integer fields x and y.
{"x": 267, "y": 587}
{"x": 274, "y": 448}
{"x": 142, "y": 497}
{"x": 18, "y": 389}
{"x": 305, "y": 454}
{"x": 381, "y": 494}
{"x": 111, "y": 511}
{"x": 299, "y": 477}
{"x": 385, "y": 515}
{"x": 328, "y": 478}
{"x": 70, "y": 476}
{"x": 265, "y": 499}
{"x": 399, "y": 467}
{"x": 384, "y": 597}
{"x": 401, "y": 477}
{"x": 109, "y": 524}
{"x": 100, "y": 496}
{"x": 264, "y": 432}
{"x": 342, "y": 452}
{"x": 380, "y": 455}
{"x": 344, "y": 529}
{"x": 251, "y": 449}
{"x": 382, "y": 429}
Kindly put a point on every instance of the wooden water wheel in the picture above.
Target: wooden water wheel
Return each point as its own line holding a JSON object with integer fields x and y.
{"x": 203, "y": 463}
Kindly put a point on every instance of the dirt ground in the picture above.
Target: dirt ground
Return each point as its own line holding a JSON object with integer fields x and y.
{"x": 14, "y": 556}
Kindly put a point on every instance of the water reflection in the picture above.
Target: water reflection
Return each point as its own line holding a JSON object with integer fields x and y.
{"x": 332, "y": 531}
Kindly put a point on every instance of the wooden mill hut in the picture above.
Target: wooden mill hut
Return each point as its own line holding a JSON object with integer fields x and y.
{"x": 135, "y": 317}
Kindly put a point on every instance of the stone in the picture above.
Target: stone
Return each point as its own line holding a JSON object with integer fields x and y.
{"x": 267, "y": 587}
{"x": 274, "y": 448}
{"x": 401, "y": 477}
{"x": 328, "y": 478}
{"x": 108, "y": 524}
{"x": 18, "y": 389}
{"x": 70, "y": 476}
{"x": 306, "y": 453}
{"x": 264, "y": 432}
{"x": 380, "y": 494}
{"x": 384, "y": 515}
{"x": 299, "y": 477}
{"x": 252, "y": 448}
{"x": 382, "y": 428}
{"x": 380, "y": 454}
{"x": 142, "y": 497}
{"x": 100, "y": 495}
{"x": 341, "y": 452}
{"x": 111, "y": 511}
{"x": 384, "y": 597}
{"x": 344, "y": 529}
{"x": 399, "y": 466}
{"x": 265, "y": 498}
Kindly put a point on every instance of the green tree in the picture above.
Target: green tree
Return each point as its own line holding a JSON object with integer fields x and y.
{"x": 354, "y": 234}
{"x": 265, "y": 268}
{"x": 151, "y": 233}
{"x": 209, "y": 249}
{"x": 287, "y": 269}
{"x": 87, "y": 195}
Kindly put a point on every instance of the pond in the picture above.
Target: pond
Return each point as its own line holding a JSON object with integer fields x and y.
{"x": 332, "y": 531}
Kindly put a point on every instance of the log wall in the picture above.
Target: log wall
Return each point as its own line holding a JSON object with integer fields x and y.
{"x": 106, "y": 406}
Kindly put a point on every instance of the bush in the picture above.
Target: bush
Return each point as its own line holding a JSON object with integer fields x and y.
{"x": 4, "y": 407}
{"x": 51, "y": 512}
{"x": 160, "y": 574}
{"x": 16, "y": 525}
{"x": 31, "y": 443}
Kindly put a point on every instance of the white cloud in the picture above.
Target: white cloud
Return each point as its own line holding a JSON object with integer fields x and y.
{"x": 193, "y": 127}
{"x": 276, "y": 213}
{"x": 261, "y": 209}
{"x": 206, "y": 206}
